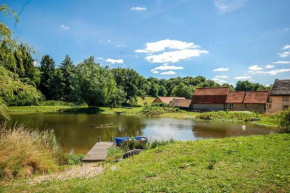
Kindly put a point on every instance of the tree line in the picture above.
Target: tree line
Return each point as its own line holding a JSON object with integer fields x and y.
{"x": 24, "y": 83}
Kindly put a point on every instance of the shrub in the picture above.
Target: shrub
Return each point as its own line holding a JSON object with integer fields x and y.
{"x": 158, "y": 143}
{"x": 24, "y": 152}
{"x": 284, "y": 120}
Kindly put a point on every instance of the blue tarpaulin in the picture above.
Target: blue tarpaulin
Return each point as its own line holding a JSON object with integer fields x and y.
{"x": 120, "y": 140}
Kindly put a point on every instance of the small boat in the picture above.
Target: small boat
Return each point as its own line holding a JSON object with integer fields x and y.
{"x": 120, "y": 140}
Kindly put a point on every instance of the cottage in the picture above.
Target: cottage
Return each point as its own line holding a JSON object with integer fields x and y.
{"x": 209, "y": 99}
{"x": 181, "y": 103}
{"x": 247, "y": 101}
{"x": 279, "y": 96}
{"x": 166, "y": 100}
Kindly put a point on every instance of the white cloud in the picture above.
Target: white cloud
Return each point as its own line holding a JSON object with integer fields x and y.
{"x": 269, "y": 66}
{"x": 243, "y": 77}
{"x": 100, "y": 58}
{"x": 174, "y": 56}
{"x": 284, "y": 54}
{"x": 286, "y": 47}
{"x": 161, "y": 45}
{"x": 155, "y": 72}
{"x": 166, "y": 67}
{"x": 64, "y": 27}
{"x": 272, "y": 72}
{"x": 220, "y": 81}
{"x": 225, "y": 6}
{"x": 282, "y": 62}
{"x": 255, "y": 67}
{"x": 223, "y": 76}
{"x": 138, "y": 8}
{"x": 113, "y": 61}
{"x": 168, "y": 73}
{"x": 221, "y": 70}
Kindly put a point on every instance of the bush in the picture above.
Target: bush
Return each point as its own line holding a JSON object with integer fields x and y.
{"x": 24, "y": 152}
{"x": 284, "y": 120}
{"x": 158, "y": 143}
{"x": 156, "y": 110}
{"x": 159, "y": 105}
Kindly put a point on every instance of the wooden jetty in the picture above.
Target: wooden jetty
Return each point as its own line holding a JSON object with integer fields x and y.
{"x": 98, "y": 152}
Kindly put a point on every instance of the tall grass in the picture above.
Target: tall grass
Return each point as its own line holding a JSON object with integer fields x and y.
{"x": 24, "y": 151}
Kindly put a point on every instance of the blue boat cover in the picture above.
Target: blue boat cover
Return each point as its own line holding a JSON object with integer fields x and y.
{"x": 120, "y": 140}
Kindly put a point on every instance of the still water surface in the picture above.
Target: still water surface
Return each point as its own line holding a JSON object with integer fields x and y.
{"x": 75, "y": 136}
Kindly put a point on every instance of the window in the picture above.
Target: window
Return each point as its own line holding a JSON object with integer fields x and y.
{"x": 230, "y": 105}
{"x": 269, "y": 106}
{"x": 285, "y": 107}
{"x": 285, "y": 98}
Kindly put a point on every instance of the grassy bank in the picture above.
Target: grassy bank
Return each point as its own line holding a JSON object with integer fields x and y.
{"x": 241, "y": 164}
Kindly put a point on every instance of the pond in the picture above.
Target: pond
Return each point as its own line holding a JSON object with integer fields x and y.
{"x": 75, "y": 135}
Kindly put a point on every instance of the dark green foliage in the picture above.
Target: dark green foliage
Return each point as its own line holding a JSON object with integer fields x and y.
{"x": 47, "y": 72}
{"x": 57, "y": 85}
{"x": 248, "y": 86}
{"x": 94, "y": 84}
{"x": 117, "y": 99}
{"x": 75, "y": 159}
{"x": 162, "y": 91}
{"x": 68, "y": 69}
{"x": 181, "y": 90}
{"x": 284, "y": 120}
{"x": 155, "y": 110}
{"x": 132, "y": 83}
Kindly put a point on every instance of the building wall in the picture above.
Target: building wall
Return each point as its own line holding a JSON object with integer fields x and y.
{"x": 208, "y": 107}
{"x": 248, "y": 107}
{"x": 277, "y": 103}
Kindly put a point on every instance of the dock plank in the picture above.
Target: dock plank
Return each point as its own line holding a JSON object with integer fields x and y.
{"x": 98, "y": 152}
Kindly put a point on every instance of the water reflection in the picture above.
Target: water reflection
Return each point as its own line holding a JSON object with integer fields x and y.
{"x": 74, "y": 134}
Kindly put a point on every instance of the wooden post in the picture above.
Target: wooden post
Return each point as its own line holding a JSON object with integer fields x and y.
{"x": 99, "y": 139}
{"x": 111, "y": 138}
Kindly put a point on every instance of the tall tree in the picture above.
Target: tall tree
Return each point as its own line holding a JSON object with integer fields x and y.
{"x": 11, "y": 86}
{"x": 68, "y": 70}
{"x": 47, "y": 72}
{"x": 247, "y": 86}
{"x": 132, "y": 83}
{"x": 56, "y": 85}
{"x": 94, "y": 84}
{"x": 181, "y": 90}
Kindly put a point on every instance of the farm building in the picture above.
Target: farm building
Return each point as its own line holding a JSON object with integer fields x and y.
{"x": 181, "y": 103}
{"x": 247, "y": 101}
{"x": 209, "y": 99}
{"x": 165, "y": 100}
{"x": 279, "y": 96}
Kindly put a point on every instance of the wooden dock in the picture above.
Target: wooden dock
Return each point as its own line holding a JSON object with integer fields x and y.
{"x": 98, "y": 152}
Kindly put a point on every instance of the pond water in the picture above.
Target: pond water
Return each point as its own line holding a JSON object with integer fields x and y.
{"x": 74, "y": 134}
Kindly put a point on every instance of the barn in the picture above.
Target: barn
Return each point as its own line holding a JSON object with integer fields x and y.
{"x": 209, "y": 99}
{"x": 183, "y": 104}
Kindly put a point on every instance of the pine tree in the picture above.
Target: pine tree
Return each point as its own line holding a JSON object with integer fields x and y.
{"x": 47, "y": 72}
{"x": 68, "y": 69}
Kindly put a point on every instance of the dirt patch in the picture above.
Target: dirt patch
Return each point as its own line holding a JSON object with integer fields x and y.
{"x": 87, "y": 170}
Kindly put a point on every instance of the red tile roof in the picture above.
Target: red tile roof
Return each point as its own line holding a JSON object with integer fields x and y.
{"x": 210, "y": 95}
{"x": 181, "y": 103}
{"x": 236, "y": 97}
{"x": 211, "y": 91}
{"x": 166, "y": 100}
{"x": 256, "y": 97}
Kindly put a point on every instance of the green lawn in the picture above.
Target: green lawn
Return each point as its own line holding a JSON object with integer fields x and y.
{"x": 240, "y": 164}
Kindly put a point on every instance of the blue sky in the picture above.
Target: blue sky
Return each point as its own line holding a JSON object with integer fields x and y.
{"x": 223, "y": 40}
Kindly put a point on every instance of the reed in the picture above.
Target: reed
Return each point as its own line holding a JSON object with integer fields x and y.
{"x": 24, "y": 152}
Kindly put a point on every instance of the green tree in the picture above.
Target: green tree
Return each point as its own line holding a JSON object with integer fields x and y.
{"x": 47, "y": 72}
{"x": 94, "y": 84}
{"x": 162, "y": 91}
{"x": 247, "y": 86}
{"x": 11, "y": 86}
{"x": 132, "y": 83}
{"x": 57, "y": 85}
{"x": 181, "y": 90}
{"x": 118, "y": 97}
{"x": 68, "y": 70}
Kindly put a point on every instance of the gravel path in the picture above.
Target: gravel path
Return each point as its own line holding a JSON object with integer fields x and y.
{"x": 87, "y": 170}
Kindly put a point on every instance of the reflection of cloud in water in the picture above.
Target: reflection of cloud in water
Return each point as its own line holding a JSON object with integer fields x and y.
{"x": 163, "y": 129}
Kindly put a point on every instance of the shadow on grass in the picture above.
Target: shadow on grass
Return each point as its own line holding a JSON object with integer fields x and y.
{"x": 85, "y": 110}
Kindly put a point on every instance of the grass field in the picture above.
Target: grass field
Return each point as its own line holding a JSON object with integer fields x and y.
{"x": 241, "y": 164}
